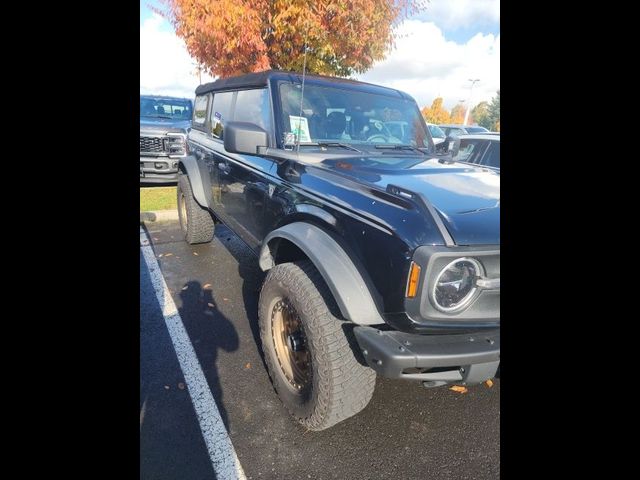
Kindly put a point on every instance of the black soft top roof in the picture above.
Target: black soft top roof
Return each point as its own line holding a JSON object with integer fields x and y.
{"x": 260, "y": 79}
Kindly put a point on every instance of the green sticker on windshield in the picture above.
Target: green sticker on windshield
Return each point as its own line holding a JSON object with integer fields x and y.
{"x": 300, "y": 128}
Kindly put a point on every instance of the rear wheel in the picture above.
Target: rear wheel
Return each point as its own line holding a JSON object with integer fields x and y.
{"x": 196, "y": 222}
{"x": 310, "y": 355}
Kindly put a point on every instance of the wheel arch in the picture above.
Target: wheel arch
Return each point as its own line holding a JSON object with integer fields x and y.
{"x": 198, "y": 177}
{"x": 350, "y": 287}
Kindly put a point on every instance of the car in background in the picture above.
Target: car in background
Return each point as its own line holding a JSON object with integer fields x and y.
{"x": 453, "y": 130}
{"x": 164, "y": 124}
{"x": 437, "y": 133}
{"x": 480, "y": 149}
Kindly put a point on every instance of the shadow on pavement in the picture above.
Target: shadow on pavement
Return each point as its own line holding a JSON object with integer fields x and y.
{"x": 207, "y": 326}
{"x": 252, "y": 278}
{"x": 171, "y": 443}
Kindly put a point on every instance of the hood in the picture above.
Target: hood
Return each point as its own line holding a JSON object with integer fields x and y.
{"x": 467, "y": 198}
{"x": 151, "y": 124}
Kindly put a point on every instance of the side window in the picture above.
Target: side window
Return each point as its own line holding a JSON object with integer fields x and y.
{"x": 253, "y": 106}
{"x": 200, "y": 110}
{"x": 492, "y": 157}
{"x": 220, "y": 112}
{"x": 467, "y": 148}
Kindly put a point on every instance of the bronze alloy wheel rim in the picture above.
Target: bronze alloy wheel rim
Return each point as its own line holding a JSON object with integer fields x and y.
{"x": 183, "y": 210}
{"x": 290, "y": 344}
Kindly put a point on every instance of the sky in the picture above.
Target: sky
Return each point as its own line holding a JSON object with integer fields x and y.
{"x": 437, "y": 53}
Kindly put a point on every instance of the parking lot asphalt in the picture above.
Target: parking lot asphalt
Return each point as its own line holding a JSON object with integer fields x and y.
{"x": 406, "y": 431}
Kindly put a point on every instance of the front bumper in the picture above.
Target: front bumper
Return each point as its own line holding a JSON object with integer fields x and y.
{"x": 434, "y": 359}
{"x": 168, "y": 171}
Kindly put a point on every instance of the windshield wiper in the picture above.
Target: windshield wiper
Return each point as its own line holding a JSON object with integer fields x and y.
{"x": 387, "y": 146}
{"x": 158, "y": 116}
{"x": 330, "y": 144}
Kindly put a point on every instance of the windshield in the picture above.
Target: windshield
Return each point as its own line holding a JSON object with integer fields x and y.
{"x": 436, "y": 131}
{"x": 476, "y": 129}
{"x": 178, "y": 108}
{"x": 331, "y": 114}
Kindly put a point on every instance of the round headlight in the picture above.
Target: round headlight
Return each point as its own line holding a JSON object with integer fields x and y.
{"x": 455, "y": 285}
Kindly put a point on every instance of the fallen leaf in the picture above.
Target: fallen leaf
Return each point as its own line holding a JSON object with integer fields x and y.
{"x": 207, "y": 285}
{"x": 166, "y": 387}
{"x": 458, "y": 388}
{"x": 195, "y": 253}
{"x": 489, "y": 383}
{"x": 226, "y": 299}
{"x": 168, "y": 254}
{"x": 211, "y": 305}
{"x": 181, "y": 386}
{"x": 160, "y": 256}
{"x": 247, "y": 366}
{"x": 155, "y": 239}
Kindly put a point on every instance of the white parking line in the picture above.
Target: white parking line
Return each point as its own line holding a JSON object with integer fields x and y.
{"x": 223, "y": 456}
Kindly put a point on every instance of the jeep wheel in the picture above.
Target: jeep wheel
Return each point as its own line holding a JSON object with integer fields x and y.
{"x": 196, "y": 222}
{"x": 309, "y": 354}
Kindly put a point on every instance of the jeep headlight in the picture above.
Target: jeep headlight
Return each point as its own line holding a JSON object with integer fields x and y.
{"x": 176, "y": 144}
{"x": 455, "y": 285}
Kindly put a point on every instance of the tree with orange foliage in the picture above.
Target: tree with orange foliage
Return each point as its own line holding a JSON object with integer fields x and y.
{"x": 231, "y": 37}
{"x": 436, "y": 113}
{"x": 457, "y": 114}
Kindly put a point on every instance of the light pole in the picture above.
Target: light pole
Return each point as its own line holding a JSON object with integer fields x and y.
{"x": 466, "y": 115}
{"x": 461, "y": 102}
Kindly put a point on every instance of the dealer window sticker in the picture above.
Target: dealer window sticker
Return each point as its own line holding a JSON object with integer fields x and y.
{"x": 300, "y": 128}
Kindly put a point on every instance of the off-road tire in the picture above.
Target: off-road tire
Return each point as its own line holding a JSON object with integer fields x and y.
{"x": 341, "y": 385}
{"x": 198, "y": 226}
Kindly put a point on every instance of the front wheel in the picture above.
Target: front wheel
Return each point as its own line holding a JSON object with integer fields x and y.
{"x": 310, "y": 356}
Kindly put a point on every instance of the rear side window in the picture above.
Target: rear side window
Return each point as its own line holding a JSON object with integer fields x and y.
{"x": 253, "y": 106}
{"x": 492, "y": 157}
{"x": 200, "y": 110}
{"x": 221, "y": 112}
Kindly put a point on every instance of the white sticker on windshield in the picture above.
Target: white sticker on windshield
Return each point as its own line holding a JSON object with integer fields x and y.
{"x": 300, "y": 128}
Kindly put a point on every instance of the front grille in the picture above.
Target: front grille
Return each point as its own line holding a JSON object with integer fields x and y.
{"x": 151, "y": 145}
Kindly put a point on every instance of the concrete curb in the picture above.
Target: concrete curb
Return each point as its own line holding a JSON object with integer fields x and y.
{"x": 159, "y": 216}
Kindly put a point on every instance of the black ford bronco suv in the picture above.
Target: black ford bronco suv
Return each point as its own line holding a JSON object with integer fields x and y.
{"x": 381, "y": 256}
{"x": 164, "y": 123}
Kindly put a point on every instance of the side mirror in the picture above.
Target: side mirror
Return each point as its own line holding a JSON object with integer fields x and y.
{"x": 442, "y": 148}
{"x": 244, "y": 137}
{"x": 454, "y": 145}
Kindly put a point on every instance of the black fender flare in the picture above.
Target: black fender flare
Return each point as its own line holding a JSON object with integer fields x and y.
{"x": 198, "y": 176}
{"x": 341, "y": 275}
